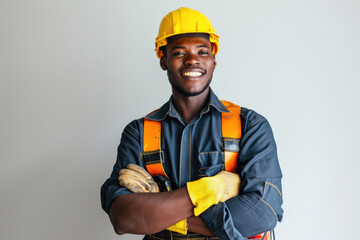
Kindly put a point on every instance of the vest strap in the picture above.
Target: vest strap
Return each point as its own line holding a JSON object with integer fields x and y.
{"x": 262, "y": 236}
{"x": 152, "y": 135}
{"x": 153, "y": 157}
{"x": 231, "y": 132}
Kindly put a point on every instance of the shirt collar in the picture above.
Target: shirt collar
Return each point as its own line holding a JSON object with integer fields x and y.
{"x": 216, "y": 103}
{"x": 169, "y": 109}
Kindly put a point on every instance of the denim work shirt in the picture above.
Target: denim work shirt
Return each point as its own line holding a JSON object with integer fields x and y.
{"x": 194, "y": 150}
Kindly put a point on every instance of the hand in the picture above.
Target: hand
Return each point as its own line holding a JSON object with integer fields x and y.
{"x": 232, "y": 185}
{"x": 208, "y": 191}
{"x": 137, "y": 179}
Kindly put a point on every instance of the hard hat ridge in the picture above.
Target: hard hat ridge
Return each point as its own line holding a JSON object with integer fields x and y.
{"x": 181, "y": 21}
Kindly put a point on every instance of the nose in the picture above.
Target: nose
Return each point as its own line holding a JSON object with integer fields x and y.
{"x": 191, "y": 60}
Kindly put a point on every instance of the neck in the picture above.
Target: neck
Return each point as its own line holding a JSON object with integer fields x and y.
{"x": 189, "y": 106}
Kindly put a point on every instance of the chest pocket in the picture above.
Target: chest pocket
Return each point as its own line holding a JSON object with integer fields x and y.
{"x": 210, "y": 163}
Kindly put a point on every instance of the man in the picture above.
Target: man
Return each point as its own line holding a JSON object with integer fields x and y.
{"x": 190, "y": 140}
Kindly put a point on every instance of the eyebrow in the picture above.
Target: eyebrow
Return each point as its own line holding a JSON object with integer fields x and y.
{"x": 177, "y": 47}
{"x": 198, "y": 46}
{"x": 203, "y": 45}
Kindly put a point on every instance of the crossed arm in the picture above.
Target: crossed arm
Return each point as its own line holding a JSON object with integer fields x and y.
{"x": 147, "y": 213}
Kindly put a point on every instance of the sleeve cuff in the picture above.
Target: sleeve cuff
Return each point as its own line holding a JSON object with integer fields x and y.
{"x": 108, "y": 193}
{"x": 219, "y": 221}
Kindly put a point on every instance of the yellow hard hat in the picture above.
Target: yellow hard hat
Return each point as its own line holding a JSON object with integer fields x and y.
{"x": 185, "y": 20}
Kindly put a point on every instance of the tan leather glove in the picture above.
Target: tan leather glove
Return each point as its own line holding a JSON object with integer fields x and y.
{"x": 232, "y": 185}
{"x": 208, "y": 191}
{"x": 137, "y": 179}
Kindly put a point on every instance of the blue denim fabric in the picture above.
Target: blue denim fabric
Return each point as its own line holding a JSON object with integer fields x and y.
{"x": 195, "y": 150}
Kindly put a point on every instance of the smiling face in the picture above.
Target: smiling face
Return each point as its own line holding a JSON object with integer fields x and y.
{"x": 190, "y": 64}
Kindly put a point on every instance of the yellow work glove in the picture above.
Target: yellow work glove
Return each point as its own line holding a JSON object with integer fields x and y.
{"x": 208, "y": 191}
{"x": 180, "y": 227}
{"x": 137, "y": 179}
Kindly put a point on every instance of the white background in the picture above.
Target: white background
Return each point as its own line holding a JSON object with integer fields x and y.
{"x": 75, "y": 72}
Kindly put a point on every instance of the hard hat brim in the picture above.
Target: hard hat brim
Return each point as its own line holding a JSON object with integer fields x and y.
{"x": 163, "y": 41}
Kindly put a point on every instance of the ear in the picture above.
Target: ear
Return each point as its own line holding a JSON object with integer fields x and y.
{"x": 214, "y": 58}
{"x": 163, "y": 63}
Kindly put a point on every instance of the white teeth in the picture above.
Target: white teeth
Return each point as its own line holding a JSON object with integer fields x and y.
{"x": 192, "y": 74}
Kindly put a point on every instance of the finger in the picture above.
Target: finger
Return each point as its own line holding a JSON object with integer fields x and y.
{"x": 139, "y": 174}
{"x": 133, "y": 173}
{"x": 134, "y": 180}
{"x": 150, "y": 184}
{"x": 140, "y": 170}
{"x": 133, "y": 187}
{"x": 127, "y": 181}
{"x": 153, "y": 186}
{"x": 232, "y": 185}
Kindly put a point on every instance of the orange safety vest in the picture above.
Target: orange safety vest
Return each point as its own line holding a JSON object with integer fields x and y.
{"x": 231, "y": 132}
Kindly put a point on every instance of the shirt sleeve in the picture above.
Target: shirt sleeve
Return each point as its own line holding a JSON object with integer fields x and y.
{"x": 258, "y": 206}
{"x": 128, "y": 152}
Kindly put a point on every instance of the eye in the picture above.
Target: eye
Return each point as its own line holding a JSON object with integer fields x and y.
{"x": 179, "y": 53}
{"x": 203, "y": 52}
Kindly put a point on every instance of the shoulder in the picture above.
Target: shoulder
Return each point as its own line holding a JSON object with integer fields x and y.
{"x": 251, "y": 119}
{"x": 133, "y": 128}
{"x": 136, "y": 126}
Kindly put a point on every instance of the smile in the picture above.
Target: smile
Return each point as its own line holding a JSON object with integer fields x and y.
{"x": 192, "y": 74}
